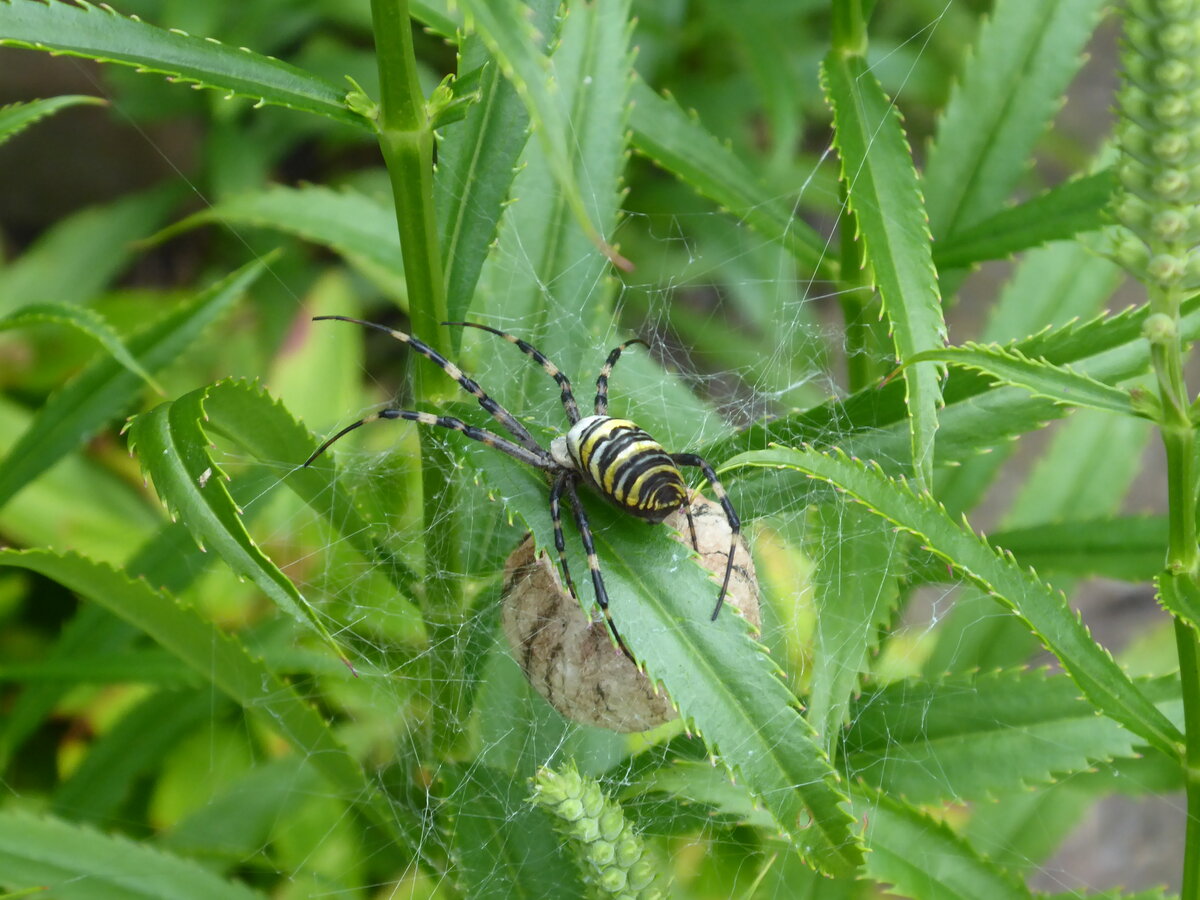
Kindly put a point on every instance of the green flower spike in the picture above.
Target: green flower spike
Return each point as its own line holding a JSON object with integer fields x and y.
{"x": 614, "y": 859}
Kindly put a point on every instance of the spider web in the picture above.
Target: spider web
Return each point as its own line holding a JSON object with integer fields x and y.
{"x": 719, "y": 275}
{"x": 698, "y": 271}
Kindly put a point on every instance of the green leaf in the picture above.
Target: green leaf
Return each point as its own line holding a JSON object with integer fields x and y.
{"x": 857, "y": 591}
{"x": 1011, "y": 88}
{"x": 1058, "y": 214}
{"x": 1043, "y": 379}
{"x": 1129, "y": 548}
{"x": 506, "y": 28}
{"x": 1050, "y": 287}
{"x": 258, "y": 424}
{"x": 1043, "y": 609}
{"x": 1179, "y": 595}
{"x": 86, "y": 320}
{"x": 174, "y": 450}
{"x": 922, "y": 857}
{"x": 978, "y": 414}
{"x": 725, "y": 686}
{"x": 676, "y": 141}
{"x": 75, "y": 862}
{"x": 704, "y": 795}
{"x": 545, "y": 272}
{"x": 1092, "y": 461}
{"x": 99, "y": 33}
{"x": 975, "y": 736}
{"x": 221, "y": 660}
{"x": 477, "y": 163}
{"x": 105, "y": 390}
{"x": 16, "y": 117}
{"x": 78, "y": 256}
{"x": 883, "y": 192}
{"x": 1027, "y": 828}
{"x": 360, "y": 228}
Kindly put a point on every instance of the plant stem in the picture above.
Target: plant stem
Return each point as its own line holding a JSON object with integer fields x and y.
{"x": 1189, "y": 676}
{"x": 1179, "y": 442}
{"x": 849, "y": 27}
{"x": 406, "y": 141}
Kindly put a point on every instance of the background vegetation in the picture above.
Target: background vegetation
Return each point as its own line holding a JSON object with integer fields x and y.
{"x": 288, "y": 682}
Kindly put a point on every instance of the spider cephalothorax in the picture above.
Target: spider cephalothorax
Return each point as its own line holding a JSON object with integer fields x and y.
{"x": 619, "y": 460}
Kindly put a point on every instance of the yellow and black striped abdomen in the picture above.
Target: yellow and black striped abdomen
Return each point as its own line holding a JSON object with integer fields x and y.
{"x": 627, "y": 466}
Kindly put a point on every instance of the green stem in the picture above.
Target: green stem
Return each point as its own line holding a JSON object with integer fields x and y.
{"x": 1179, "y": 442}
{"x": 406, "y": 141}
{"x": 849, "y": 27}
{"x": 1189, "y": 676}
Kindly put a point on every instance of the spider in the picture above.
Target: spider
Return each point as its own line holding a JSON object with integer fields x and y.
{"x": 616, "y": 458}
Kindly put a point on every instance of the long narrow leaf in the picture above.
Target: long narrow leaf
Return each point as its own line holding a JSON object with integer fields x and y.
{"x": 99, "y": 33}
{"x": 1058, "y": 214}
{"x": 54, "y": 858}
{"x": 221, "y": 659}
{"x": 83, "y": 319}
{"x": 476, "y": 165}
{"x": 1043, "y": 609}
{"x": 857, "y": 587}
{"x": 360, "y": 228}
{"x": 978, "y": 414}
{"x": 174, "y": 450}
{"x": 1057, "y": 383}
{"x": 1020, "y": 65}
{"x": 16, "y": 117}
{"x": 540, "y": 244}
{"x": 506, "y": 28}
{"x": 922, "y": 857}
{"x": 976, "y": 736}
{"x": 105, "y": 390}
{"x": 883, "y": 192}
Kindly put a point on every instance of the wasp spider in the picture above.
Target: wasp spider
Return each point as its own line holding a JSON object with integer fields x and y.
{"x": 615, "y": 457}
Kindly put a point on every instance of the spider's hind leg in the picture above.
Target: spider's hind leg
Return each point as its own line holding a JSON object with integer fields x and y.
{"x": 687, "y": 511}
{"x": 735, "y": 524}
{"x": 559, "y": 544}
{"x": 585, "y": 534}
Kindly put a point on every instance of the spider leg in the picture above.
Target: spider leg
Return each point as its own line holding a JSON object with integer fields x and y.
{"x": 498, "y": 412}
{"x": 540, "y": 459}
{"x": 585, "y": 534}
{"x": 606, "y": 370}
{"x": 735, "y": 524}
{"x": 560, "y": 545}
{"x": 687, "y": 511}
{"x": 568, "y": 398}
